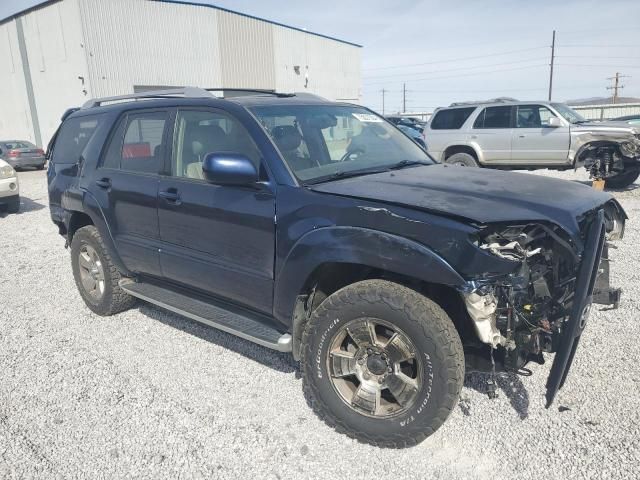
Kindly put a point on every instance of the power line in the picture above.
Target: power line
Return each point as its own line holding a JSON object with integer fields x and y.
{"x": 457, "y": 69}
{"x": 378, "y": 82}
{"x": 455, "y": 59}
{"x": 599, "y": 46}
{"x": 616, "y": 85}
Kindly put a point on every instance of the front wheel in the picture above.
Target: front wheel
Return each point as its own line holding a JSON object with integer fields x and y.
{"x": 462, "y": 160}
{"x": 622, "y": 180}
{"x": 382, "y": 363}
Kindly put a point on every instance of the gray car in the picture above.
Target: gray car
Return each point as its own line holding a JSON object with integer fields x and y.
{"x": 509, "y": 134}
{"x": 22, "y": 153}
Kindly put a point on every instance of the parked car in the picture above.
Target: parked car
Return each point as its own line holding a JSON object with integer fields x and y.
{"x": 21, "y": 153}
{"x": 411, "y": 122}
{"x": 630, "y": 119}
{"x": 413, "y": 134}
{"x": 508, "y": 134}
{"x": 9, "y": 188}
{"x": 317, "y": 228}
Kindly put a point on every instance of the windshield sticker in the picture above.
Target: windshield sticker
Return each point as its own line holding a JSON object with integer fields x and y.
{"x": 367, "y": 117}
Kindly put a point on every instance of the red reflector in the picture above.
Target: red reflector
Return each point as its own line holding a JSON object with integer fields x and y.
{"x": 14, "y": 153}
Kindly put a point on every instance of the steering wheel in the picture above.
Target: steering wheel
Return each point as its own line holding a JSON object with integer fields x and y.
{"x": 348, "y": 154}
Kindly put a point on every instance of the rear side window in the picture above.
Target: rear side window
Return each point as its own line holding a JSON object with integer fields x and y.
{"x": 73, "y": 137}
{"x": 494, "y": 117}
{"x": 451, "y": 119}
{"x": 137, "y": 144}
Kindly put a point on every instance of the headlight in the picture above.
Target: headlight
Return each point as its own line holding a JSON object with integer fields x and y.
{"x": 514, "y": 243}
{"x": 7, "y": 172}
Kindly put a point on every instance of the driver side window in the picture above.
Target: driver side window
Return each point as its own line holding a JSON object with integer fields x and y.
{"x": 533, "y": 116}
{"x": 198, "y": 133}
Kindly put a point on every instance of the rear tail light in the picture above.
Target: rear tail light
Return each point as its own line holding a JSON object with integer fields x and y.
{"x": 13, "y": 153}
{"x": 40, "y": 151}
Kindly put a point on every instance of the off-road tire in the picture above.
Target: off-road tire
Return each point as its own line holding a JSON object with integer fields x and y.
{"x": 462, "y": 159}
{"x": 622, "y": 180}
{"x": 114, "y": 299}
{"x": 428, "y": 327}
{"x": 13, "y": 207}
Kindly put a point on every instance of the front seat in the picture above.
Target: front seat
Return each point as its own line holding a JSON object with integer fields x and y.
{"x": 288, "y": 139}
{"x": 199, "y": 141}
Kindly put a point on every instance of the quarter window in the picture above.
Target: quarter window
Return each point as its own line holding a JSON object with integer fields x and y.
{"x": 73, "y": 137}
{"x": 494, "y": 117}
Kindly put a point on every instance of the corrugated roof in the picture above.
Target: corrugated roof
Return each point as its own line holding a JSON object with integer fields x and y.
{"x": 197, "y": 4}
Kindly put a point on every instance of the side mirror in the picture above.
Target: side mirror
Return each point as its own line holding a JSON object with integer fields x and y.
{"x": 229, "y": 169}
{"x": 554, "y": 122}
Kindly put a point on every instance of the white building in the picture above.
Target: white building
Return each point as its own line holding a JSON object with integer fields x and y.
{"x": 62, "y": 52}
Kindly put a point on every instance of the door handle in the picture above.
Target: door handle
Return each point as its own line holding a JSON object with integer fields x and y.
{"x": 521, "y": 136}
{"x": 171, "y": 196}
{"x": 104, "y": 183}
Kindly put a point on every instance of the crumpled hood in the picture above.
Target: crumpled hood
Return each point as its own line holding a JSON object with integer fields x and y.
{"x": 610, "y": 127}
{"x": 476, "y": 194}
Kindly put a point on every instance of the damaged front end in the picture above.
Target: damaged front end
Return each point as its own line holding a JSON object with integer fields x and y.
{"x": 543, "y": 304}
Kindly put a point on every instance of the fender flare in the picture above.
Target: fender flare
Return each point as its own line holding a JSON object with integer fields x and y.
{"x": 92, "y": 208}
{"x": 361, "y": 246}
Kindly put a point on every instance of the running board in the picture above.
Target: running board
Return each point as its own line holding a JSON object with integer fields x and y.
{"x": 234, "y": 321}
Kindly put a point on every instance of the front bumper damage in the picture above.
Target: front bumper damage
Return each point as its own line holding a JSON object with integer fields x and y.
{"x": 544, "y": 305}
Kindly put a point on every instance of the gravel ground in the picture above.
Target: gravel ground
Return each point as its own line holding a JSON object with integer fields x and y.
{"x": 149, "y": 394}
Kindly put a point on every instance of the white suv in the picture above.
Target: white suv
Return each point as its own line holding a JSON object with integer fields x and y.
{"x": 9, "y": 188}
{"x": 508, "y": 134}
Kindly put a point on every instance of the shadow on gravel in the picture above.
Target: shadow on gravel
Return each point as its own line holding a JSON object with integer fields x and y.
{"x": 26, "y": 205}
{"x": 508, "y": 383}
{"x": 282, "y": 362}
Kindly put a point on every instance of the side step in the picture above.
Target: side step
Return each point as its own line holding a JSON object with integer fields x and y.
{"x": 231, "y": 320}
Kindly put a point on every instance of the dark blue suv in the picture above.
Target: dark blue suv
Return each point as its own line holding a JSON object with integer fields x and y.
{"x": 318, "y": 228}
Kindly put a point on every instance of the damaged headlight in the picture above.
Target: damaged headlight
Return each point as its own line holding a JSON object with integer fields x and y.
{"x": 516, "y": 243}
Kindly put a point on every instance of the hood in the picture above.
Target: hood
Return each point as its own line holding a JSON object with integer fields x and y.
{"x": 475, "y": 194}
{"x": 614, "y": 128}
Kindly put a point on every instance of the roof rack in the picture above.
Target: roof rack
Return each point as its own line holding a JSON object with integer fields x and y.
{"x": 187, "y": 92}
{"x": 481, "y": 102}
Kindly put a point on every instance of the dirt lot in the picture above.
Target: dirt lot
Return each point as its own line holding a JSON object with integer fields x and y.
{"x": 149, "y": 394}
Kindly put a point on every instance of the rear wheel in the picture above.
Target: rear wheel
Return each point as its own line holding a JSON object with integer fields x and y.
{"x": 382, "y": 363}
{"x": 623, "y": 179}
{"x": 462, "y": 160}
{"x": 96, "y": 277}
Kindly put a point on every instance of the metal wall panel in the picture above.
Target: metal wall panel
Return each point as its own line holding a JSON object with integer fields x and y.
{"x": 317, "y": 65}
{"x": 15, "y": 120}
{"x": 53, "y": 39}
{"x": 246, "y": 52}
{"x": 138, "y": 42}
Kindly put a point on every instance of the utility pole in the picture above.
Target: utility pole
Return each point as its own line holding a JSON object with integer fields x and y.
{"x": 383, "y": 92}
{"x": 404, "y": 98}
{"x": 616, "y": 86}
{"x": 553, "y": 55}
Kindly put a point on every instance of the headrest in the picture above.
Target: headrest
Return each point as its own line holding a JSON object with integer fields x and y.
{"x": 287, "y": 137}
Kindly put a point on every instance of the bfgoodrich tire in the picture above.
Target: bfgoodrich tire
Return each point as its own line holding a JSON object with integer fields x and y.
{"x": 461, "y": 159}
{"x": 95, "y": 275}
{"x": 382, "y": 363}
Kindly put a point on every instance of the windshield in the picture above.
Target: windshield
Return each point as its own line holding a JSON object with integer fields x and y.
{"x": 568, "y": 114}
{"x": 322, "y": 142}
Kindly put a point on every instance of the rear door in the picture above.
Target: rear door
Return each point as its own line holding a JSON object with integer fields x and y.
{"x": 126, "y": 186}
{"x": 217, "y": 238}
{"x": 492, "y": 130}
{"x": 534, "y": 141}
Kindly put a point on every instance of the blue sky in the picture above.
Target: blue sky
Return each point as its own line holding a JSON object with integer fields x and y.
{"x": 449, "y": 51}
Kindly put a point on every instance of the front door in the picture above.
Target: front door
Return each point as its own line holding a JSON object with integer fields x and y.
{"x": 534, "y": 141}
{"x": 218, "y": 239}
{"x": 126, "y": 186}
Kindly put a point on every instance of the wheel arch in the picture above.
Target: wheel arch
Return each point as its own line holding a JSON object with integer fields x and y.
{"x": 461, "y": 148}
{"x": 327, "y": 259}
